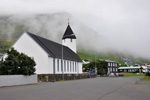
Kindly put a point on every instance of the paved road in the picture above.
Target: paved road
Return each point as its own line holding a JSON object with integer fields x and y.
{"x": 102, "y": 88}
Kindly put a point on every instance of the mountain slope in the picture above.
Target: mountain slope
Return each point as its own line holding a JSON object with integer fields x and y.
{"x": 118, "y": 57}
{"x": 52, "y": 26}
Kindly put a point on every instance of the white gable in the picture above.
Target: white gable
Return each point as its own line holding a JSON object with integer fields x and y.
{"x": 28, "y": 46}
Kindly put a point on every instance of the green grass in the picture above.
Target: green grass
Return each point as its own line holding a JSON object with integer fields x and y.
{"x": 103, "y": 56}
{"x": 62, "y": 80}
{"x": 146, "y": 78}
{"x": 91, "y": 55}
{"x": 132, "y": 74}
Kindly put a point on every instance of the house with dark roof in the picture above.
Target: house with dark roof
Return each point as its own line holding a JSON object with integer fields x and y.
{"x": 129, "y": 63}
{"x": 51, "y": 57}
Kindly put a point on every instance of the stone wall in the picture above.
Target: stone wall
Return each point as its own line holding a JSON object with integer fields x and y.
{"x": 58, "y": 77}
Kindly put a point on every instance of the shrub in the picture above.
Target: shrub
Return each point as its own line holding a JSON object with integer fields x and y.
{"x": 17, "y": 63}
{"x": 100, "y": 65}
{"x": 147, "y": 74}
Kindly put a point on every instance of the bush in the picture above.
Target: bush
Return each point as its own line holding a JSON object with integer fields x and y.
{"x": 147, "y": 74}
{"x": 17, "y": 63}
{"x": 85, "y": 67}
{"x": 100, "y": 65}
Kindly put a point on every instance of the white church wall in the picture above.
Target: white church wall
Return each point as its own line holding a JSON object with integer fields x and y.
{"x": 80, "y": 67}
{"x": 70, "y": 44}
{"x": 28, "y": 46}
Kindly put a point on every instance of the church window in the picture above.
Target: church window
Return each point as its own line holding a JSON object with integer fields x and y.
{"x": 58, "y": 65}
{"x": 73, "y": 66}
{"x": 61, "y": 65}
{"x": 64, "y": 65}
{"x": 68, "y": 66}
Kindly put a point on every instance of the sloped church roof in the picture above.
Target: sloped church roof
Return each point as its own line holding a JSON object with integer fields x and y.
{"x": 54, "y": 49}
{"x": 69, "y": 33}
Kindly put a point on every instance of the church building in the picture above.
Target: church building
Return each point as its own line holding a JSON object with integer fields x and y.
{"x": 51, "y": 57}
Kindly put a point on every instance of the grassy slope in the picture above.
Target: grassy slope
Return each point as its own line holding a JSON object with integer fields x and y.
{"x": 114, "y": 57}
{"x": 88, "y": 55}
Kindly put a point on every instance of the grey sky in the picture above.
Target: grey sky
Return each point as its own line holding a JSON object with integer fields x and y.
{"x": 125, "y": 23}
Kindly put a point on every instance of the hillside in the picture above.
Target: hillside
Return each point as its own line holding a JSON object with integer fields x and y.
{"x": 5, "y": 43}
{"x": 53, "y": 26}
{"x": 120, "y": 58}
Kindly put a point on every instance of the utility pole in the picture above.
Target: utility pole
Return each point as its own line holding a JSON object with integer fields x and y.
{"x": 95, "y": 65}
{"x": 62, "y": 65}
{"x": 95, "y": 57}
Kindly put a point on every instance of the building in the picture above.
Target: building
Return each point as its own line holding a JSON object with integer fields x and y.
{"x": 129, "y": 63}
{"x": 131, "y": 69}
{"x": 69, "y": 39}
{"x": 148, "y": 67}
{"x": 144, "y": 69}
{"x": 86, "y": 61}
{"x": 112, "y": 67}
{"x": 51, "y": 57}
{"x": 1, "y": 56}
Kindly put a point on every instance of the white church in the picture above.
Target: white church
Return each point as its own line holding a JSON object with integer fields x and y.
{"x": 51, "y": 57}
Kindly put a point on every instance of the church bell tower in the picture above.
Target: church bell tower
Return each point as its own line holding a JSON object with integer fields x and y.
{"x": 69, "y": 38}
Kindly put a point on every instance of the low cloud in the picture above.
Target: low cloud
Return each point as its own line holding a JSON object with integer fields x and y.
{"x": 110, "y": 25}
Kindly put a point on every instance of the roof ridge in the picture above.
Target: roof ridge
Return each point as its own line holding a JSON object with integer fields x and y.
{"x": 54, "y": 49}
{"x": 42, "y": 43}
{"x": 48, "y": 40}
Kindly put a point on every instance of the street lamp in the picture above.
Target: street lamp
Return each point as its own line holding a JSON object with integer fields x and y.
{"x": 62, "y": 65}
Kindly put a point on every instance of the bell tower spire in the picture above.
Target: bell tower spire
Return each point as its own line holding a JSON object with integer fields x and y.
{"x": 69, "y": 38}
{"x": 68, "y": 21}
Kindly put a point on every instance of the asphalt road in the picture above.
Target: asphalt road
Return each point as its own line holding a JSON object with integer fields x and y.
{"x": 101, "y": 88}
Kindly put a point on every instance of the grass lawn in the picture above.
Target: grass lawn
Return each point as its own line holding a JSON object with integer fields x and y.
{"x": 62, "y": 80}
{"x": 146, "y": 78}
{"x": 132, "y": 74}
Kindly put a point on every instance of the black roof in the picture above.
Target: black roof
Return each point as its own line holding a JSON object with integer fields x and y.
{"x": 130, "y": 63}
{"x": 69, "y": 33}
{"x": 54, "y": 49}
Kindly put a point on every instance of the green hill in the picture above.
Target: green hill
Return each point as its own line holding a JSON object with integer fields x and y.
{"x": 120, "y": 58}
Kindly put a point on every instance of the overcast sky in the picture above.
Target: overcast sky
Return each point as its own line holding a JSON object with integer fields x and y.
{"x": 125, "y": 23}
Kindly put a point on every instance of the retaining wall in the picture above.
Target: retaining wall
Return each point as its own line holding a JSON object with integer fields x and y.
{"x": 58, "y": 77}
{"x": 11, "y": 80}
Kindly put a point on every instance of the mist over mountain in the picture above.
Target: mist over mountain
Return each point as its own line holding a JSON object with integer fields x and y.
{"x": 52, "y": 26}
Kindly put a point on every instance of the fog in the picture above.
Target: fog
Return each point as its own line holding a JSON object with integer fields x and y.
{"x": 100, "y": 25}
